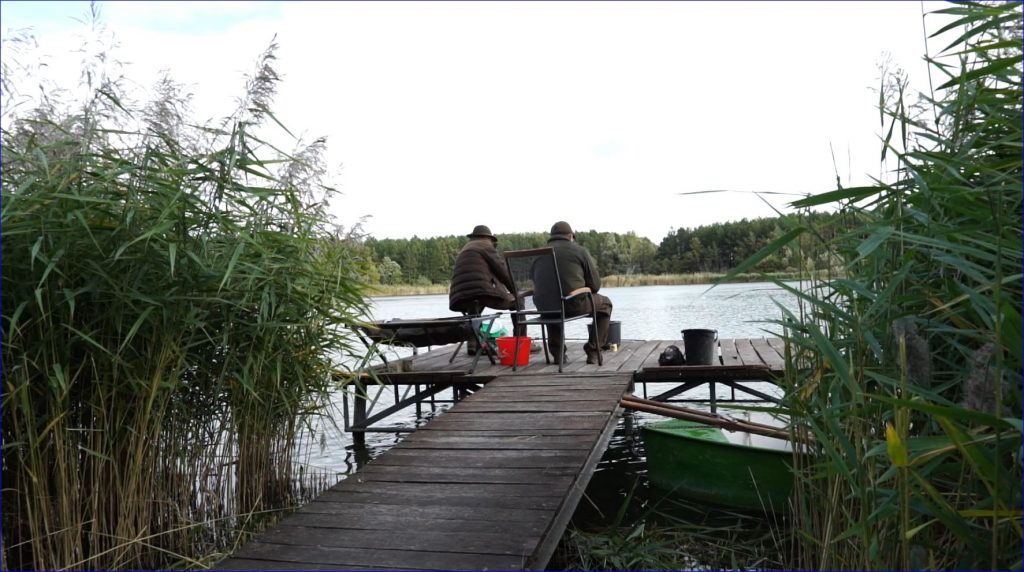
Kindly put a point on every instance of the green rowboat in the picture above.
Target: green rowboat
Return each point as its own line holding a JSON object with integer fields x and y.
{"x": 700, "y": 462}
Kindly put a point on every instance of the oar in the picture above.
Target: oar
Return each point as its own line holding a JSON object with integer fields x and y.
{"x": 680, "y": 408}
{"x": 704, "y": 417}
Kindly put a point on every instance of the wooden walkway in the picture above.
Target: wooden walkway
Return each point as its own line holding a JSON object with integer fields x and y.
{"x": 489, "y": 484}
{"x": 492, "y": 482}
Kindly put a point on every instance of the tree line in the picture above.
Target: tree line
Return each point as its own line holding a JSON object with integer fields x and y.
{"x": 711, "y": 248}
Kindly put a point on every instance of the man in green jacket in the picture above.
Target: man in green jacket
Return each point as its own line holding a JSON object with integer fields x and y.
{"x": 577, "y": 270}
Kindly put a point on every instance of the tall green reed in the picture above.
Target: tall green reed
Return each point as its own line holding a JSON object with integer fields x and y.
{"x": 173, "y": 305}
{"x": 907, "y": 362}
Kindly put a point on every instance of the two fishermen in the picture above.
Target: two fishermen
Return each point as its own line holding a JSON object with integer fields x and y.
{"x": 480, "y": 279}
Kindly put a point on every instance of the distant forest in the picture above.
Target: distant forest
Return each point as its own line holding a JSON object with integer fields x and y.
{"x": 714, "y": 248}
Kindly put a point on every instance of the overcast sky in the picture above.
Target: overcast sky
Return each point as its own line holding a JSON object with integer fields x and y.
{"x": 443, "y": 115}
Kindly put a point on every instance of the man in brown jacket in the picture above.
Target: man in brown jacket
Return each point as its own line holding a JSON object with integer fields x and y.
{"x": 577, "y": 269}
{"x": 480, "y": 278}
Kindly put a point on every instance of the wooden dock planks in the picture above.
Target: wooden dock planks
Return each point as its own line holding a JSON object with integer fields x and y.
{"x": 492, "y": 482}
{"x": 489, "y": 484}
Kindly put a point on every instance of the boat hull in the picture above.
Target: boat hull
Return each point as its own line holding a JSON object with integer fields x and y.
{"x": 697, "y": 461}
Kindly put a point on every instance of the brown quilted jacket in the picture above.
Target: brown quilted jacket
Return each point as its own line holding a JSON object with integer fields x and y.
{"x": 480, "y": 277}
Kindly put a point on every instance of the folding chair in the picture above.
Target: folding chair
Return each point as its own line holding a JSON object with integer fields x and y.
{"x": 486, "y": 348}
{"x": 543, "y": 304}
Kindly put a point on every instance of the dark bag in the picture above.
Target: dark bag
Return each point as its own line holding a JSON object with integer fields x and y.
{"x": 671, "y": 356}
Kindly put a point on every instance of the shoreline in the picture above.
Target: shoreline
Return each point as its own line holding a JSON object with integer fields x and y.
{"x": 611, "y": 281}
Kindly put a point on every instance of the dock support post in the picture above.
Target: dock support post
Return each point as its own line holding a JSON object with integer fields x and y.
{"x": 359, "y": 419}
{"x": 714, "y": 397}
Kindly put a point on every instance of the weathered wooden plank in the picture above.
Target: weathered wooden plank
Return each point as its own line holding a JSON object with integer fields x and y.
{"x": 545, "y": 432}
{"x": 565, "y": 380}
{"x": 613, "y": 360}
{"x": 454, "y": 458}
{"x": 768, "y": 355}
{"x": 552, "y": 405}
{"x": 730, "y": 356}
{"x": 437, "y": 358}
{"x": 465, "y": 489}
{"x": 580, "y": 390}
{"x": 247, "y": 564}
{"x": 522, "y": 421}
{"x": 444, "y": 353}
{"x": 441, "y": 498}
{"x": 577, "y": 393}
{"x": 540, "y": 557}
{"x": 577, "y": 357}
{"x": 497, "y": 417}
{"x": 747, "y": 352}
{"x": 420, "y": 560}
{"x": 554, "y": 478}
{"x": 616, "y": 359}
{"x": 778, "y": 344}
{"x": 483, "y": 458}
{"x": 354, "y": 519}
{"x": 645, "y": 356}
{"x": 428, "y": 511}
{"x": 460, "y": 440}
{"x": 426, "y": 540}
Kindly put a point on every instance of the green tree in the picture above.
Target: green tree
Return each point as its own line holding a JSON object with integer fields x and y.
{"x": 390, "y": 271}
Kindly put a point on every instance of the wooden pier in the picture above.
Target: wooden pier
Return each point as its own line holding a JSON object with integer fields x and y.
{"x": 492, "y": 482}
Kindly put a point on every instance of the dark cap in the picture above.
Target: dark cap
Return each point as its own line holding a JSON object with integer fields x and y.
{"x": 561, "y": 228}
{"x": 481, "y": 231}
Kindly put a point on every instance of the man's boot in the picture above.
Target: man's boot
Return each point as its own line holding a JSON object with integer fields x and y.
{"x": 554, "y": 355}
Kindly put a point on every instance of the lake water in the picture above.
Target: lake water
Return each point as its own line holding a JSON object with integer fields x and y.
{"x": 645, "y": 313}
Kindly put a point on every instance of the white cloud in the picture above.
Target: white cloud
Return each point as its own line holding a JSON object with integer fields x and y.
{"x": 517, "y": 114}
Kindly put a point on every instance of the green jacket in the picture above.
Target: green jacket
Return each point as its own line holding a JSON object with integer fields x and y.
{"x": 576, "y": 268}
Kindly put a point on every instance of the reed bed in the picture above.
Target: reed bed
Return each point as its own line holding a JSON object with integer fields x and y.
{"x": 384, "y": 290}
{"x": 172, "y": 306}
{"x": 906, "y": 369}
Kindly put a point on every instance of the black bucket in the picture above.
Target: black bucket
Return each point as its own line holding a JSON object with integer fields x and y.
{"x": 700, "y": 347}
{"x": 614, "y": 332}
